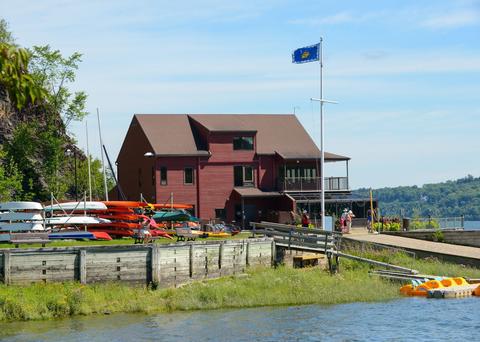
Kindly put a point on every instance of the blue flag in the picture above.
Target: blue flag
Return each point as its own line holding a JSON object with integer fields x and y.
{"x": 306, "y": 54}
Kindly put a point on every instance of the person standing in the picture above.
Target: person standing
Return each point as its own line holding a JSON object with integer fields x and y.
{"x": 305, "y": 219}
{"x": 350, "y": 217}
{"x": 343, "y": 221}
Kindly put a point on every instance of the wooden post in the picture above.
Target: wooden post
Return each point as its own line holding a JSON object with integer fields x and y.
{"x": 247, "y": 254}
{"x": 190, "y": 262}
{"x": 290, "y": 240}
{"x": 155, "y": 264}
{"x": 220, "y": 254}
{"x": 274, "y": 254}
{"x": 6, "y": 267}
{"x": 83, "y": 266}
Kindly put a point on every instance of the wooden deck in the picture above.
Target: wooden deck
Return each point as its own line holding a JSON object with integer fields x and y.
{"x": 444, "y": 251}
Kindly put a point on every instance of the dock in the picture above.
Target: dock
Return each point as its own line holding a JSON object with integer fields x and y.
{"x": 443, "y": 251}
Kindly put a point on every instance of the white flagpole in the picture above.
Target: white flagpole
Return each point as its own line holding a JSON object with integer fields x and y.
{"x": 322, "y": 138}
{"x": 103, "y": 161}
{"x": 322, "y": 159}
{"x": 88, "y": 163}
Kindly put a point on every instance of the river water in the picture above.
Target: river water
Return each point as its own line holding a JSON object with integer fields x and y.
{"x": 407, "y": 319}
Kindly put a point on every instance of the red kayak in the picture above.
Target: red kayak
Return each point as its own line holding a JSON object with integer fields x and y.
{"x": 102, "y": 236}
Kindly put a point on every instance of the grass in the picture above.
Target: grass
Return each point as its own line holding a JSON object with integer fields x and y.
{"x": 124, "y": 241}
{"x": 260, "y": 287}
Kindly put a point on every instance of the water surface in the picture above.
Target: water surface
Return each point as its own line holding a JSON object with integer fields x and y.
{"x": 408, "y": 319}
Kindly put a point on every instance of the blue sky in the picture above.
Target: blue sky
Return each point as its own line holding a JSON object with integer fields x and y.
{"x": 406, "y": 73}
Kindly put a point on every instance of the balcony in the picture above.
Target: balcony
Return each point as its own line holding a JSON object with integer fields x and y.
{"x": 313, "y": 184}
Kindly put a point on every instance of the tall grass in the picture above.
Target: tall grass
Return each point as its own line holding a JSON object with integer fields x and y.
{"x": 259, "y": 287}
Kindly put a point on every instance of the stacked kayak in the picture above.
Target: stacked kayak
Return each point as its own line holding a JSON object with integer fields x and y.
{"x": 21, "y": 216}
{"x": 126, "y": 218}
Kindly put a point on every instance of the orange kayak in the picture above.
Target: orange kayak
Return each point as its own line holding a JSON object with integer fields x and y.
{"x": 175, "y": 206}
{"x": 125, "y": 204}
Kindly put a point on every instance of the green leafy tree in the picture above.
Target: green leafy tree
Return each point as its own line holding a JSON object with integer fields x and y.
{"x": 14, "y": 77}
{"x": 5, "y": 35}
{"x": 54, "y": 72}
{"x": 10, "y": 179}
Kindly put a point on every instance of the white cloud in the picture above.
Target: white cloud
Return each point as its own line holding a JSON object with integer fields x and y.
{"x": 453, "y": 20}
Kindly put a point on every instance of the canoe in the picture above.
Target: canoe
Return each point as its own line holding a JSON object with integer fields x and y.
{"x": 20, "y": 226}
{"x": 11, "y": 206}
{"x": 68, "y": 206}
{"x": 20, "y": 216}
{"x": 68, "y": 220}
{"x": 125, "y": 204}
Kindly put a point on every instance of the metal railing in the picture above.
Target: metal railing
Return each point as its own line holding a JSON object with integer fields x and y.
{"x": 432, "y": 223}
{"x": 313, "y": 183}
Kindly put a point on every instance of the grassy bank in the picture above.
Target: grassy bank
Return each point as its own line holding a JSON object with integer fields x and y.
{"x": 260, "y": 287}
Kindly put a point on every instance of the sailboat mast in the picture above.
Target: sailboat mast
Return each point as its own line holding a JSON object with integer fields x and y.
{"x": 103, "y": 161}
{"x": 88, "y": 163}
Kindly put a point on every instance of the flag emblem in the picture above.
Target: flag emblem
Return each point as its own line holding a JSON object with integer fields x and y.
{"x": 306, "y": 54}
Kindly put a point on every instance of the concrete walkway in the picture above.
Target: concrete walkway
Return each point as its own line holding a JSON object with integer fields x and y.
{"x": 455, "y": 253}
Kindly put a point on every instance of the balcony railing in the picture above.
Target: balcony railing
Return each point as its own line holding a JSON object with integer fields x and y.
{"x": 313, "y": 184}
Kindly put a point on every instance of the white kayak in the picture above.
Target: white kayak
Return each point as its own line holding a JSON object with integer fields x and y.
{"x": 12, "y": 206}
{"x": 69, "y": 206}
{"x": 74, "y": 220}
{"x": 20, "y": 226}
{"x": 20, "y": 216}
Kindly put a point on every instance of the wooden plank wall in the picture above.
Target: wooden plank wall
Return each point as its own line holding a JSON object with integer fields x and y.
{"x": 165, "y": 265}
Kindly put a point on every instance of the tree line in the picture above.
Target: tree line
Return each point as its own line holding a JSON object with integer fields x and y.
{"x": 447, "y": 199}
{"x": 36, "y": 108}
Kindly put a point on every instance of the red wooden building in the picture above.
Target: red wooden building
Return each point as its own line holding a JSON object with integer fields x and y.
{"x": 233, "y": 167}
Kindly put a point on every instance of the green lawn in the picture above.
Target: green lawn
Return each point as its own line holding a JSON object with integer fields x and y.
{"x": 124, "y": 241}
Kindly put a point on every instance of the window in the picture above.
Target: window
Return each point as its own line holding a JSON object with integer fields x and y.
{"x": 243, "y": 143}
{"x": 188, "y": 176}
{"x": 248, "y": 174}
{"x": 220, "y": 214}
{"x": 163, "y": 175}
{"x": 243, "y": 175}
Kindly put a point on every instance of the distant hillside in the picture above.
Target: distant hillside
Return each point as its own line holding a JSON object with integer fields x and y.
{"x": 451, "y": 198}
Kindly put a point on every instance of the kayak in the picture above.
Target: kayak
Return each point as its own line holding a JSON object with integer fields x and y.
{"x": 12, "y": 206}
{"x": 76, "y": 235}
{"x": 125, "y": 204}
{"x": 79, "y": 206}
{"x": 159, "y": 206}
{"x": 79, "y": 220}
{"x": 20, "y": 216}
{"x": 21, "y": 226}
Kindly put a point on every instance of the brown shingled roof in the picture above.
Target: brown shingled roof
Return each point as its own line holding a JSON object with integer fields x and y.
{"x": 276, "y": 133}
{"x": 171, "y": 134}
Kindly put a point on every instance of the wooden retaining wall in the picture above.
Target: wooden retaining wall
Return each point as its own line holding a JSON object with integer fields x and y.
{"x": 456, "y": 237}
{"x": 165, "y": 265}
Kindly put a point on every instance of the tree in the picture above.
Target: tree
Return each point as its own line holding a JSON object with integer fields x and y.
{"x": 14, "y": 77}
{"x": 5, "y": 34}
{"x": 10, "y": 179}
{"x": 54, "y": 72}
